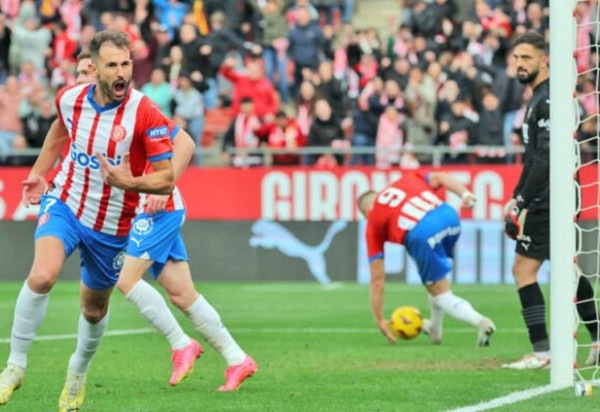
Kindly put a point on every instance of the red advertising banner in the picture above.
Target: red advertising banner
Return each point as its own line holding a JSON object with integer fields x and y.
{"x": 294, "y": 193}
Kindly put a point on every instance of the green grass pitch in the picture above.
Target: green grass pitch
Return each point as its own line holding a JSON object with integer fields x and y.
{"x": 317, "y": 350}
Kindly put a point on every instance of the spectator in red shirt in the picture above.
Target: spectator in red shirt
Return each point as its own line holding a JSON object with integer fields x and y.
{"x": 283, "y": 133}
{"x": 63, "y": 47}
{"x": 251, "y": 84}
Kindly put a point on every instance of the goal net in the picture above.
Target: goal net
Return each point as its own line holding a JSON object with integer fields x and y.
{"x": 585, "y": 18}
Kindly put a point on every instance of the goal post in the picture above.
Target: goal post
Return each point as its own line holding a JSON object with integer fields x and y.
{"x": 563, "y": 165}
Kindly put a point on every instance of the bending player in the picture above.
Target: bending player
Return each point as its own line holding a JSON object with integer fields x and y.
{"x": 156, "y": 244}
{"x": 80, "y": 211}
{"x": 533, "y": 193}
{"x": 410, "y": 214}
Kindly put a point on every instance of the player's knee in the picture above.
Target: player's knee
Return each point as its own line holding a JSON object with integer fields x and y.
{"x": 523, "y": 273}
{"x": 93, "y": 313}
{"x": 183, "y": 299}
{"x": 42, "y": 280}
{"x": 124, "y": 286}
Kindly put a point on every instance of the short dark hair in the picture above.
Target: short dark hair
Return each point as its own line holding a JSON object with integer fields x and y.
{"x": 246, "y": 99}
{"x": 531, "y": 38}
{"x": 84, "y": 55}
{"x": 118, "y": 38}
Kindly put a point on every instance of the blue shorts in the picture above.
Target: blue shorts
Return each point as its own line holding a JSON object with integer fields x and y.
{"x": 101, "y": 255}
{"x": 431, "y": 243}
{"x": 157, "y": 237}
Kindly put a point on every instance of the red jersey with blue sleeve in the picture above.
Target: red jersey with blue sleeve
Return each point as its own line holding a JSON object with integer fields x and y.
{"x": 397, "y": 210}
{"x": 134, "y": 125}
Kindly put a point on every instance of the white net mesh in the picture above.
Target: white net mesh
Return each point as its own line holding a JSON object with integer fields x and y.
{"x": 587, "y": 179}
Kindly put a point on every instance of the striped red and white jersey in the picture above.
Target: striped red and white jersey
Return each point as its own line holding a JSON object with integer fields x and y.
{"x": 175, "y": 201}
{"x": 398, "y": 209}
{"x": 135, "y": 126}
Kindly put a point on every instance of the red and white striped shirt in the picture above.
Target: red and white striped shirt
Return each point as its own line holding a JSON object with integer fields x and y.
{"x": 397, "y": 210}
{"x": 135, "y": 126}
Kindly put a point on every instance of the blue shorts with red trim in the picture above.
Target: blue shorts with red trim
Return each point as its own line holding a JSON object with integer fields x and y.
{"x": 101, "y": 254}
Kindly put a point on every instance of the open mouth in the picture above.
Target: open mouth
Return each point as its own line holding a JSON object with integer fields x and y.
{"x": 119, "y": 87}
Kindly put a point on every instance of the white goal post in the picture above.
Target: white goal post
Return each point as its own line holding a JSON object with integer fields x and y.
{"x": 563, "y": 123}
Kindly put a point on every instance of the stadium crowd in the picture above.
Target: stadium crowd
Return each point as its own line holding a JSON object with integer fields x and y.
{"x": 295, "y": 73}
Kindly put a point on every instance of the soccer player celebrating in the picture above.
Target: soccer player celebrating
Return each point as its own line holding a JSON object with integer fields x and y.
{"x": 409, "y": 213}
{"x": 531, "y": 204}
{"x": 102, "y": 121}
{"x": 155, "y": 243}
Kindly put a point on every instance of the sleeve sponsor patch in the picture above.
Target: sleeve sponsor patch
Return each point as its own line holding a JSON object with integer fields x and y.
{"x": 159, "y": 133}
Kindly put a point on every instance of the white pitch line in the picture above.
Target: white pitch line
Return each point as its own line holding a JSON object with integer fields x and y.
{"x": 509, "y": 399}
{"x": 121, "y": 332}
{"x": 329, "y": 331}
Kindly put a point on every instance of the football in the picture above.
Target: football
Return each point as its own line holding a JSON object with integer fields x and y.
{"x": 406, "y": 322}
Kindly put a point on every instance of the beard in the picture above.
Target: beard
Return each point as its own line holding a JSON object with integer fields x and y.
{"x": 528, "y": 78}
{"x": 108, "y": 90}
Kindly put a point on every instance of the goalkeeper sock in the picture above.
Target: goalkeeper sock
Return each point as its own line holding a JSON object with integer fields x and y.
{"x": 88, "y": 340}
{"x": 586, "y": 307}
{"x": 534, "y": 314}
{"x": 153, "y": 307}
{"x": 458, "y": 308}
{"x": 208, "y": 322}
{"x": 30, "y": 311}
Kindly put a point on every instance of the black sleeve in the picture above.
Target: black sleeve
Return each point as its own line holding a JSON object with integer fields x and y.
{"x": 539, "y": 169}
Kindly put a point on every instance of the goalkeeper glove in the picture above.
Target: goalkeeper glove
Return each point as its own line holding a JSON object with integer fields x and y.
{"x": 512, "y": 226}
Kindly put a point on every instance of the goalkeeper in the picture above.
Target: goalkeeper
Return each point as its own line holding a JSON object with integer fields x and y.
{"x": 527, "y": 215}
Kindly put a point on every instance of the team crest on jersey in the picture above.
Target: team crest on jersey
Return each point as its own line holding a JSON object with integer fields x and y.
{"x": 143, "y": 226}
{"x": 43, "y": 219}
{"x": 118, "y": 260}
{"x": 118, "y": 133}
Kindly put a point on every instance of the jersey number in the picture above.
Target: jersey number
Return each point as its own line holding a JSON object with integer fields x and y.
{"x": 48, "y": 205}
{"x": 413, "y": 210}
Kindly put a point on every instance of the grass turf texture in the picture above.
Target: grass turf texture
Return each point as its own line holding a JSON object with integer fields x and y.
{"x": 317, "y": 350}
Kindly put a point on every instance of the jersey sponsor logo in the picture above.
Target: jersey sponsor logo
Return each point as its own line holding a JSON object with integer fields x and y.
{"x": 118, "y": 260}
{"x": 118, "y": 133}
{"x": 143, "y": 226}
{"x": 438, "y": 237}
{"x": 272, "y": 235}
{"x": 158, "y": 133}
{"x": 544, "y": 123}
{"x": 91, "y": 161}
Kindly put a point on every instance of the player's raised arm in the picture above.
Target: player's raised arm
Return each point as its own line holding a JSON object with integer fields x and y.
{"x": 437, "y": 179}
